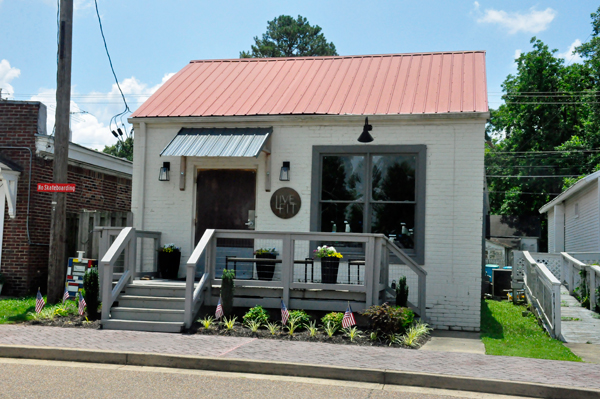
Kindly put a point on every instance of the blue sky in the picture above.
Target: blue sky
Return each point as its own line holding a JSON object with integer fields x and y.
{"x": 151, "y": 39}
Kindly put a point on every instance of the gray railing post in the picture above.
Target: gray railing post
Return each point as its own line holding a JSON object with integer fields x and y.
{"x": 369, "y": 271}
{"x": 287, "y": 264}
{"x": 106, "y": 288}
{"x": 377, "y": 247}
{"x": 593, "y": 299}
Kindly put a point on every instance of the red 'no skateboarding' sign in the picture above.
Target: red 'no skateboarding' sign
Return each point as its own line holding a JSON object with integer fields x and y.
{"x": 56, "y": 188}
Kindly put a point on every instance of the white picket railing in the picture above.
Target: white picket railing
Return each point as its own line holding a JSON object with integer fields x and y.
{"x": 587, "y": 261}
{"x": 294, "y": 249}
{"x": 543, "y": 292}
{"x": 570, "y": 271}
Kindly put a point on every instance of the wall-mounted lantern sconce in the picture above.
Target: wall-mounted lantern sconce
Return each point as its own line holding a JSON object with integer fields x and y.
{"x": 365, "y": 137}
{"x": 284, "y": 175}
{"x": 164, "y": 172}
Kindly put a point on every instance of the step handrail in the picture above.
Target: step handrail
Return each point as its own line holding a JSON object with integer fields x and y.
{"x": 125, "y": 239}
{"x": 193, "y": 298}
{"x": 419, "y": 271}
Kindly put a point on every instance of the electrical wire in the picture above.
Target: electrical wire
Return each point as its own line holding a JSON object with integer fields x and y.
{"x": 537, "y": 176}
{"x": 120, "y": 115}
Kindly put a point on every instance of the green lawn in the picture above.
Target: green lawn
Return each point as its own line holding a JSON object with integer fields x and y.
{"x": 505, "y": 332}
{"x": 15, "y": 310}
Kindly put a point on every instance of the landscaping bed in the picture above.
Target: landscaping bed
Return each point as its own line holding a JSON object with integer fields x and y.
{"x": 313, "y": 328}
{"x": 241, "y": 331}
{"x": 22, "y": 310}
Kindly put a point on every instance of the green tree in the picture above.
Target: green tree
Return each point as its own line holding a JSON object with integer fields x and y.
{"x": 547, "y": 108}
{"x": 122, "y": 149}
{"x": 289, "y": 37}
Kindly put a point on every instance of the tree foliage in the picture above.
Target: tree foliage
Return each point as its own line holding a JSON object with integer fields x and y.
{"x": 550, "y": 105}
{"x": 122, "y": 149}
{"x": 289, "y": 37}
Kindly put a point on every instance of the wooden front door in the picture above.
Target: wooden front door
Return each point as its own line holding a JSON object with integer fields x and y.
{"x": 224, "y": 198}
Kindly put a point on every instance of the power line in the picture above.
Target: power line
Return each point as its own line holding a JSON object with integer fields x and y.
{"x": 120, "y": 115}
{"x": 538, "y": 176}
{"x": 522, "y": 192}
{"x": 541, "y": 152}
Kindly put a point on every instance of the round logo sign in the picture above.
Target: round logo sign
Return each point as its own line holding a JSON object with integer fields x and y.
{"x": 285, "y": 203}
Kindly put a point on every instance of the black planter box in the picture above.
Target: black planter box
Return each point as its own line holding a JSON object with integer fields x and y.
{"x": 168, "y": 264}
{"x": 265, "y": 270}
{"x": 329, "y": 270}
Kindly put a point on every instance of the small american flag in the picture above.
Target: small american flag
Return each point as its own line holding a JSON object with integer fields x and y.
{"x": 348, "y": 319}
{"x": 66, "y": 295}
{"x": 285, "y": 315}
{"x": 219, "y": 311}
{"x": 82, "y": 304}
{"x": 39, "y": 302}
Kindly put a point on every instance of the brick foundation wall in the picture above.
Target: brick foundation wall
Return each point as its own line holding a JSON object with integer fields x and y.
{"x": 24, "y": 262}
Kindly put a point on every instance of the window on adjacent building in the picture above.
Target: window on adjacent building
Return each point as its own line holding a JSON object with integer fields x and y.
{"x": 378, "y": 189}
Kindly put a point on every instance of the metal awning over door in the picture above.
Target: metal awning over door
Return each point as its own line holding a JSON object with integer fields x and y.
{"x": 218, "y": 142}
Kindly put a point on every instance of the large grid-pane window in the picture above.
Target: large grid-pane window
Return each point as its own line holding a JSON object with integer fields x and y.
{"x": 379, "y": 190}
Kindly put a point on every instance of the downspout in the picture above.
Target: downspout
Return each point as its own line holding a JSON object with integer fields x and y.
{"x": 28, "y": 191}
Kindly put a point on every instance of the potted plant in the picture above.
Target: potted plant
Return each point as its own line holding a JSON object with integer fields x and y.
{"x": 2, "y": 281}
{"x": 330, "y": 262}
{"x": 169, "y": 257}
{"x": 265, "y": 270}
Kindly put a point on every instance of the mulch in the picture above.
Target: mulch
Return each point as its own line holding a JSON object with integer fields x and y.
{"x": 71, "y": 321}
{"x": 299, "y": 335}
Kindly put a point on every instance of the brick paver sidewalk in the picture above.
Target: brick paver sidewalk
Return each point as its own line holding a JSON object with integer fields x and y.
{"x": 461, "y": 364}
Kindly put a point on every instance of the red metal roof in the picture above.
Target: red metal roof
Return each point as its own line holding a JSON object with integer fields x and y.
{"x": 389, "y": 84}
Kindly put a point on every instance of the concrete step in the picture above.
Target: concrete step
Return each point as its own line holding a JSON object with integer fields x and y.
{"x": 150, "y": 302}
{"x": 139, "y": 325}
{"x": 171, "y": 315}
{"x": 156, "y": 291}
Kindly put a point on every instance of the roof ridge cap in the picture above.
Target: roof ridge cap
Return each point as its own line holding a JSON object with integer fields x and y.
{"x": 329, "y": 57}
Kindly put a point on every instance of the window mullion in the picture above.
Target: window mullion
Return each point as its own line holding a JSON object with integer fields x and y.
{"x": 367, "y": 194}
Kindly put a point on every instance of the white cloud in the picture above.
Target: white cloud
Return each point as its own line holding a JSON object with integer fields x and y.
{"x": 476, "y": 5}
{"x": 93, "y": 128}
{"x": 7, "y": 75}
{"x": 518, "y": 53}
{"x": 569, "y": 56}
{"x": 532, "y": 21}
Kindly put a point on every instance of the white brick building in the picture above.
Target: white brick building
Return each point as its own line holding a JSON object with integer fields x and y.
{"x": 428, "y": 113}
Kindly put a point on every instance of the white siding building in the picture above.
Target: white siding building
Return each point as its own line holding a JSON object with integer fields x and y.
{"x": 574, "y": 217}
{"x": 428, "y": 113}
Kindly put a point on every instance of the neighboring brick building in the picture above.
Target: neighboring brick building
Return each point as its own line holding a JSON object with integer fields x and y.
{"x": 103, "y": 183}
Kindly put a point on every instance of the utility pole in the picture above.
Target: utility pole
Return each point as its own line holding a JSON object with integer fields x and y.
{"x": 57, "y": 256}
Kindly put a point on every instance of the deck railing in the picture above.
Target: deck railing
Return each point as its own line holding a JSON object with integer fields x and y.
{"x": 543, "y": 292}
{"x": 366, "y": 260}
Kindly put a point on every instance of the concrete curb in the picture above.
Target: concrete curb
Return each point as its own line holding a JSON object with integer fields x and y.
{"x": 378, "y": 376}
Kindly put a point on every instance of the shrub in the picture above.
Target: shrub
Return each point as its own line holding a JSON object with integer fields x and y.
{"x": 91, "y": 290}
{"x": 402, "y": 292}
{"x": 227, "y": 290}
{"x": 257, "y": 314}
{"x": 389, "y": 319}
{"x": 303, "y": 318}
{"x": 335, "y": 318}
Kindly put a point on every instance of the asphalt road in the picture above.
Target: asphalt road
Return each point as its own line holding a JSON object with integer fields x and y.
{"x": 21, "y": 378}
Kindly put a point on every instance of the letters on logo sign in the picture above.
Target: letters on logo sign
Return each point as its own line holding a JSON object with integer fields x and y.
{"x": 285, "y": 203}
{"x": 56, "y": 188}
